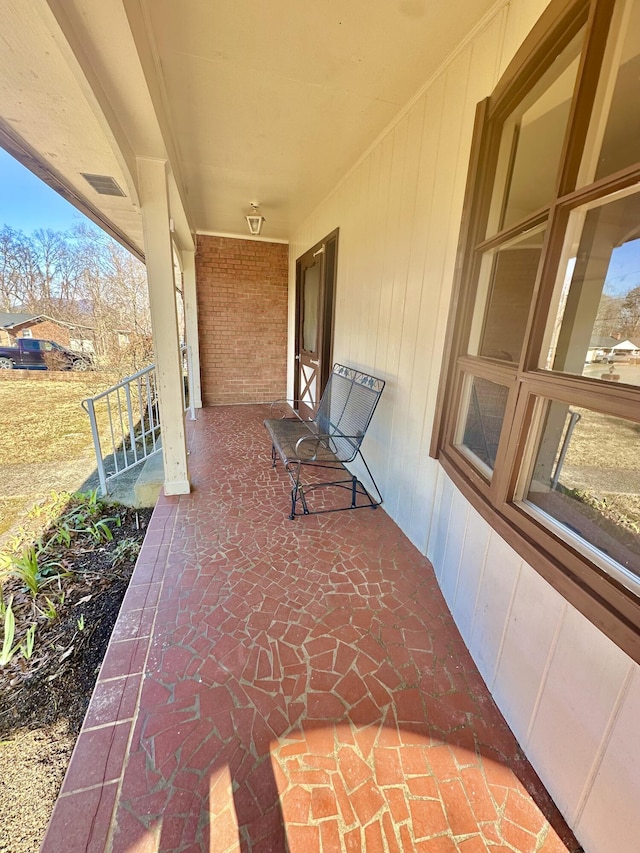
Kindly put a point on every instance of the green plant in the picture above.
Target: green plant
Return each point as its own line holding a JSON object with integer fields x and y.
{"x": 93, "y": 504}
{"x": 61, "y": 535}
{"x": 85, "y": 505}
{"x": 5, "y": 562}
{"x": 51, "y": 611}
{"x": 27, "y": 647}
{"x": 100, "y": 531}
{"x": 34, "y": 574}
{"x": 78, "y": 514}
{"x": 39, "y": 510}
{"x": 8, "y": 649}
{"x": 126, "y": 550}
{"x": 26, "y": 568}
{"x": 15, "y": 543}
{"x": 80, "y": 622}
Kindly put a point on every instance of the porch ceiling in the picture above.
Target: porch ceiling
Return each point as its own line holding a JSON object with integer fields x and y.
{"x": 268, "y": 102}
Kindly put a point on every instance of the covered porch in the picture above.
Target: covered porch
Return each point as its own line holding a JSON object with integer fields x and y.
{"x": 308, "y": 675}
{"x": 279, "y": 685}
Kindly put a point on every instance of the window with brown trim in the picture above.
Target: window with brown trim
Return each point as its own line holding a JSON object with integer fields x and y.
{"x": 539, "y": 407}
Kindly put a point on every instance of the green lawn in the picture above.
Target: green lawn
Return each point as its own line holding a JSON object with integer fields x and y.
{"x": 45, "y": 440}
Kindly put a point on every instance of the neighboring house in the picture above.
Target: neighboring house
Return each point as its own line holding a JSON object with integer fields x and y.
{"x": 444, "y": 187}
{"x": 631, "y": 347}
{"x": 11, "y": 324}
{"x": 73, "y": 336}
{"x": 599, "y": 347}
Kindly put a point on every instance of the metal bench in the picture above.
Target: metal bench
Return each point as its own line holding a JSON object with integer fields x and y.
{"x": 310, "y": 449}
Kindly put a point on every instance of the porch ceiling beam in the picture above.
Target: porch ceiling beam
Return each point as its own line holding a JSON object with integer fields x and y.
{"x": 149, "y": 59}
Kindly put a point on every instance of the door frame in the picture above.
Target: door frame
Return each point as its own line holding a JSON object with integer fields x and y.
{"x": 328, "y": 248}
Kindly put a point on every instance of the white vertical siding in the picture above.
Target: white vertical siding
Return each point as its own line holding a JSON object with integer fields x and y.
{"x": 571, "y": 697}
{"x": 613, "y": 794}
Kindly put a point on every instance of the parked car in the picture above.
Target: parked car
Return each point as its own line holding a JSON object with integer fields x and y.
{"x": 614, "y": 357}
{"x": 33, "y": 354}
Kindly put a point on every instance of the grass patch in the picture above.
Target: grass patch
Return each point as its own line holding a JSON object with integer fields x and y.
{"x": 605, "y": 441}
{"x": 43, "y": 424}
{"x": 44, "y": 421}
{"x": 11, "y": 510}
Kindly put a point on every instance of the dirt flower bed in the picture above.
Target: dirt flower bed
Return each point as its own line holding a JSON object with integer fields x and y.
{"x": 61, "y": 593}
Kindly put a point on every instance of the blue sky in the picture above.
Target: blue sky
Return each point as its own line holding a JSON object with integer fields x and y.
{"x": 26, "y": 203}
{"x": 624, "y": 270}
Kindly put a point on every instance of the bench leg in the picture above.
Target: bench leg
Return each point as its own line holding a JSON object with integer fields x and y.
{"x": 274, "y": 456}
{"x": 297, "y": 494}
{"x": 374, "y": 503}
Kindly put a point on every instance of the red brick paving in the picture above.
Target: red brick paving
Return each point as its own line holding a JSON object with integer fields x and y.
{"x": 277, "y": 685}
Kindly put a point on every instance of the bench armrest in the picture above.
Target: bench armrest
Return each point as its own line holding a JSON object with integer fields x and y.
{"x": 320, "y": 438}
{"x": 290, "y": 403}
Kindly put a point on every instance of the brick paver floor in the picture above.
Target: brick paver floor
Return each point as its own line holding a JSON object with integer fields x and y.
{"x": 277, "y": 685}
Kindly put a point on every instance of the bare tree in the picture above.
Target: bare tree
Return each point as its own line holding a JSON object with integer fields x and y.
{"x": 630, "y": 314}
{"x": 607, "y": 321}
{"x": 15, "y": 264}
{"x": 82, "y": 277}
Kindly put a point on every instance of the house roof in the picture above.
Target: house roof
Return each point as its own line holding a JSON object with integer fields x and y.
{"x": 602, "y": 342}
{"x": 9, "y": 320}
{"x": 627, "y": 345}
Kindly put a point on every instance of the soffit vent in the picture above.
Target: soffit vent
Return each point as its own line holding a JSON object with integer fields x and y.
{"x": 103, "y": 184}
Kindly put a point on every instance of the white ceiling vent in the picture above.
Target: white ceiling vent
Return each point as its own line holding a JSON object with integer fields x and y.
{"x": 103, "y": 184}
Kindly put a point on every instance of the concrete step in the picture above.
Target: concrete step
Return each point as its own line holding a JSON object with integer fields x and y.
{"x": 146, "y": 489}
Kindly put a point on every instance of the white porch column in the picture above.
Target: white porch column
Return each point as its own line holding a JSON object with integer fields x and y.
{"x": 154, "y": 198}
{"x": 191, "y": 321}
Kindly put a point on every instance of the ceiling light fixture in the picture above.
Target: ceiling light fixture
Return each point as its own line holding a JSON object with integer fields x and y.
{"x": 254, "y": 219}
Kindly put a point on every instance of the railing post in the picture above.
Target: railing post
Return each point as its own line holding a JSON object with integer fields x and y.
{"x": 192, "y": 407}
{"x": 132, "y": 429}
{"x": 89, "y": 408}
{"x": 151, "y": 393}
{"x": 574, "y": 417}
{"x": 183, "y": 351}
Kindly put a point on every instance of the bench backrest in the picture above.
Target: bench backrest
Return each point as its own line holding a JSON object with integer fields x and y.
{"x": 346, "y": 408}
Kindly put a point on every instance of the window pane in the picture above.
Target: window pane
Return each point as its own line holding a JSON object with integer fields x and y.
{"x": 310, "y": 295}
{"x": 505, "y": 287}
{"x": 586, "y": 476}
{"x": 484, "y": 404}
{"x": 616, "y": 125}
{"x": 596, "y": 327}
{"x": 531, "y": 144}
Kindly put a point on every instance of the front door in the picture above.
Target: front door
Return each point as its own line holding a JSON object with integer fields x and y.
{"x": 315, "y": 286}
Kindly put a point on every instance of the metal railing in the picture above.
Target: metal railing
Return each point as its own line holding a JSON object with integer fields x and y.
{"x": 128, "y": 415}
{"x": 574, "y": 417}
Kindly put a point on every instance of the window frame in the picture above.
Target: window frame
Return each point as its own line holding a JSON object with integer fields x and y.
{"x": 610, "y": 605}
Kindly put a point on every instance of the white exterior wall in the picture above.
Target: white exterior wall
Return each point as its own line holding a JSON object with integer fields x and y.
{"x": 570, "y": 695}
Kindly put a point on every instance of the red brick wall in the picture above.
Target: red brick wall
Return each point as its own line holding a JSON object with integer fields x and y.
{"x": 48, "y": 331}
{"x": 242, "y": 318}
